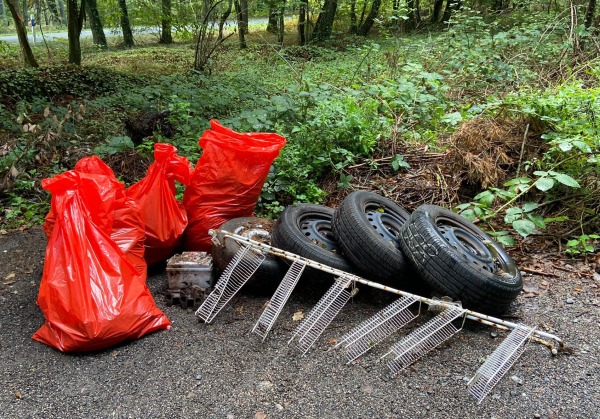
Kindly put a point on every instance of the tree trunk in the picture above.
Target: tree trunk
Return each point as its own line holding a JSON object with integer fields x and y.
{"x": 241, "y": 33}
{"x": 24, "y": 10}
{"x": 437, "y": 11}
{"x": 589, "y": 13}
{"x": 98, "y": 37}
{"x": 125, "y": 25}
{"x": 451, "y": 6}
{"x": 353, "y": 23}
{"x": 61, "y": 10}
{"x": 324, "y": 25}
{"x": 224, "y": 18}
{"x": 414, "y": 15}
{"x": 28, "y": 57}
{"x": 302, "y": 23}
{"x": 53, "y": 8}
{"x": 273, "y": 18}
{"x": 75, "y": 16}
{"x": 244, "y": 7}
{"x": 368, "y": 23}
{"x": 280, "y": 23}
{"x": 167, "y": 17}
{"x": 3, "y": 21}
{"x": 46, "y": 19}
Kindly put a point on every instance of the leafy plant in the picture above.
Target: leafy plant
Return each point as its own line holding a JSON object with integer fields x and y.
{"x": 582, "y": 245}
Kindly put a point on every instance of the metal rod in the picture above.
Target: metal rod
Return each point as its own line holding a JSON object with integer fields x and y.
{"x": 472, "y": 315}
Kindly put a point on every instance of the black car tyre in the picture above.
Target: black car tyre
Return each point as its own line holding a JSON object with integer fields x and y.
{"x": 305, "y": 229}
{"x": 367, "y": 226}
{"x": 457, "y": 259}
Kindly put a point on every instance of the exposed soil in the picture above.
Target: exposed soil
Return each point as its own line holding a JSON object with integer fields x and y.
{"x": 220, "y": 370}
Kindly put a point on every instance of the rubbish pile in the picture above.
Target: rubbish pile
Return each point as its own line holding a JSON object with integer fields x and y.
{"x": 102, "y": 237}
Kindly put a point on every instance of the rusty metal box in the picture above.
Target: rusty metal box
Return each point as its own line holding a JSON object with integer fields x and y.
{"x": 189, "y": 275}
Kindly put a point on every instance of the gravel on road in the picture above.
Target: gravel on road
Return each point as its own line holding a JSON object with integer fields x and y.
{"x": 220, "y": 370}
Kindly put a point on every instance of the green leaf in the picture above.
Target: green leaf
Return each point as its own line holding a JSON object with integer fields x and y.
{"x": 512, "y": 214}
{"x": 485, "y": 197}
{"x": 566, "y": 180}
{"x": 452, "y": 118}
{"x": 502, "y": 237}
{"x": 506, "y": 241}
{"x": 518, "y": 181}
{"x": 544, "y": 184}
{"x": 558, "y": 219}
{"x": 468, "y": 214}
{"x": 530, "y": 206}
{"x": 538, "y": 220}
{"x": 540, "y": 173}
{"x": 399, "y": 162}
{"x": 523, "y": 227}
{"x": 462, "y": 206}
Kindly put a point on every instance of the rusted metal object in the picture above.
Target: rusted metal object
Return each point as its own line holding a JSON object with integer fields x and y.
{"x": 190, "y": 279}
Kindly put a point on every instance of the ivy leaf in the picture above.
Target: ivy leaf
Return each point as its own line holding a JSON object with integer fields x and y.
{"x": 544, "y": 184}
{"x": 566, "y": 180}
{"x": 524, "y": 227}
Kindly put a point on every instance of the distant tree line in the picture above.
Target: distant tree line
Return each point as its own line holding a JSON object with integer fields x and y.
{"x": 316, "y": 20}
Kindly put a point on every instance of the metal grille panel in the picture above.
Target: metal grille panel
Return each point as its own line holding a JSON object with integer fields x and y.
{"x": 499, "y": 362}
{"x": 241, "y": 267}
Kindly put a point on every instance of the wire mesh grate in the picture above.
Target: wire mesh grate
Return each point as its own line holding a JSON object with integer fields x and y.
{"x": 499, "y": 362}
{"x": 322, "y": 314}
{"x": 378, "y": 327}
{"x": 241, "y": 267}
{"x": 275, "y": 305}
{"x": 424, "y": 339}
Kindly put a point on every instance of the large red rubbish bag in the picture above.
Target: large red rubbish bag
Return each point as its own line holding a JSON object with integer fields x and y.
{"x": 91, "y": 294}
{"x": 165, "y": 218}
{"x": 227, "y": 181}
{"x": 128, "y": 229}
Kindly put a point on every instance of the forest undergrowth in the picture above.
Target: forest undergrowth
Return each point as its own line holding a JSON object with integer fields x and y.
{"x": 494, "y": 119}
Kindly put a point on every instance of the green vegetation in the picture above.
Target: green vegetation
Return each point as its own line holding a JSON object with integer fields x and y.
{"x": 346, "y": 103}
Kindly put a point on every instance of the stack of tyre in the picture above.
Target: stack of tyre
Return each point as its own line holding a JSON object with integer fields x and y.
{"x": 373, "y": 237}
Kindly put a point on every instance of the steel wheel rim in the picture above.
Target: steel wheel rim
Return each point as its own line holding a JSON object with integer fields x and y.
{"x": 385, "y": 223}
{"x": 318, "y": 231}
{"x": 471, "y": 247}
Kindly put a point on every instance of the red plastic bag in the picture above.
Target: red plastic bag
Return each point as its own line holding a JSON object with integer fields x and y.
{"x": 127, "y": 226}
{"x": 91, "y": 295}
{"x": 164, "y": 217}
{"x": 227, "y": 181}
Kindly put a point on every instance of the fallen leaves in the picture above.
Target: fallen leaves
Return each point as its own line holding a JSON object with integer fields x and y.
{"x": 260, "y": 415}
{"x": 299, "y": 315}
{"x": 8, "y": 279}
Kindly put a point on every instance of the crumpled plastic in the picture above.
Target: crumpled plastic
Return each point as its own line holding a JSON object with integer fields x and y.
{"x": 165, "y": 218}
{"x": 227, "y": 181}
{"x": 91, "y": 293}
{"x": 127, "y": 224}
